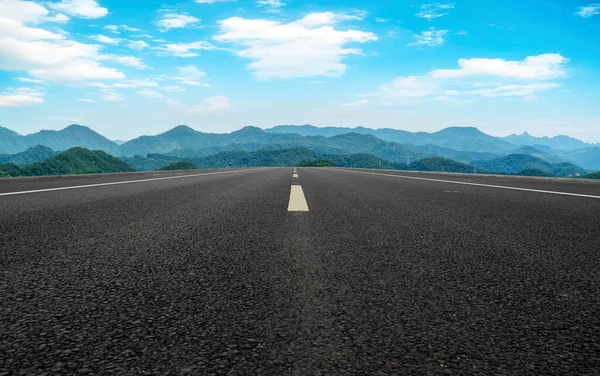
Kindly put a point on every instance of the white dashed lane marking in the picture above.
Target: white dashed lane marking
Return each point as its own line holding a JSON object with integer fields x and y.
{"x": 297, "y": 200}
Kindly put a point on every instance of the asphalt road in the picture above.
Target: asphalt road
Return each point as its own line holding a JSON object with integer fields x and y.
{"x": 384, "y": 275}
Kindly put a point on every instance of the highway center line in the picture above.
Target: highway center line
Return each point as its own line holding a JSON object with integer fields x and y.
{"x": 121, "y": 182}
{"x": 295, "y": 175}
{"x": 297, "y": 200}
{"x": 477, "y": 184}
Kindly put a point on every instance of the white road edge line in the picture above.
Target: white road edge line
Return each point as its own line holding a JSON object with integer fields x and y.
{"x": 297, "y": 200}
{"x": 121, "y": 182}
{"x": 477, "y": 184}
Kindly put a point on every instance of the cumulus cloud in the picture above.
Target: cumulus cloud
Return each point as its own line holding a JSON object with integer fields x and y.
{"x": 185, "y": 49}
{"x": 44, "y": 54}
{"x": 30, "y": 80}
{"x": 137, "y": 45}
{"x": 271, "y": 6}
{"x": 189, "y": 75}
{"x": 433, "y": 11}
{"x": 80, "y": 8}
{"x": 589, "y": 10}
{"x": 431, "y": 38}
{"x": 104, "y": 39}
{"x": 213, "y": 105}
{"x": 176, "y": 21}
{"x": 20, "y": 97}
{"x": 501, "y": 78}
{"x": 111, "y": 96}
{"x": 130, "y": 61}
{"x": 544, "y": 66}
{"x": 86, "y": 100}
{"x": 308, "y": 47}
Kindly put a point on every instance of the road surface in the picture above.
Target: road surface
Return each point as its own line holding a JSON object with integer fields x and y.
{"x": 352, "y": 272}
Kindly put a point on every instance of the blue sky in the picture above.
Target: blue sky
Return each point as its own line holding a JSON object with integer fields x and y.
{"x": 127, "y": 68}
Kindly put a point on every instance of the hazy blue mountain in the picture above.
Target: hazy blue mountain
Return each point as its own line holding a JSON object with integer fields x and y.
{"x": 559, "y": 142}
{"x": 119, "y": 142}
{"x": 457, "y": 138}
{"x": 180, "y": 137}
{"x": 34, "y": 154}
{"x": 515, "y": 163}
{"x": 588, "y": 158}
{"x": 72, "y": 136}
{"x": 11, "y": 142}
{"x": 535, "y": 152}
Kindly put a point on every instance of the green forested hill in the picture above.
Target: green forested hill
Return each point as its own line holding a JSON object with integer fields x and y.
{"x": 34, "y": 154}
{"x": 181, "y": 165}
{"x": 73, "y": 161}
{"x": 514, "y": 163}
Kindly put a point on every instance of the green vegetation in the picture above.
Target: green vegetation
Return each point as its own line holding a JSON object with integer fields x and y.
{"x": 594, "y": 175}
{"x": 438, "y": 164}
{"x": 72, "y": 161}
{"x": 515, "y": 163}
{"x": 318, "y": 163}
{"x": 181, "y": 165}
{"x": 34, "y": 154}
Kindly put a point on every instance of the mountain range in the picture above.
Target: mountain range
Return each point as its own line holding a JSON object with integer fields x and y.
{"x": 467, "y": 145}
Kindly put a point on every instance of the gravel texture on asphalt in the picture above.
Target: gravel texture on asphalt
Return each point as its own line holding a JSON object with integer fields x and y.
{"x": 383, "y": 276}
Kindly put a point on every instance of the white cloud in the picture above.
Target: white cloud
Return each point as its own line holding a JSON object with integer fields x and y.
{"x": 176, "y": 21}
{"x": 213, "y": 105}
{"x": 22, "y": 11}
{"x": 80, "y": 8}
{"x": 86, "y": 100}
{"x": 104, "y": 39}
{"x": 538, "y": 67}
{"x": 111, "y": 96}
{"x": 329, "y": 18}
{"x": 128, "y": 28}
{"x": 271, "y": 6}
{"x": 130, "y": 61}
{"x": 16, "y": 30}
{"x": 156, "y": 95}
{"x": 503, "y": 78}
{"x": 408, "y": 87}
{"x": 589, "y": 10}
{"x": 516, "y": 90}
{"x": 127, "y": 84}
{"x": 431, "y": 38}
{"x": 150, "y": 93}
{"x": 189, "y": 75}
{"x": 435, "y": 10}
{"x": 185, "y": 49}
{"x": 21, "y": 97}
{"x": 381, "y": 20}
{"x": 173, "y": 89}
{"x": 59, "y": 18}
{"x": 359, "y": 103}
{"x": 30, "y": 80}
{"x": 294, "y": 49}
{"x": 112, "y": 28}
{"x": 43, "y": 54}
{"x": 137, "y": 45}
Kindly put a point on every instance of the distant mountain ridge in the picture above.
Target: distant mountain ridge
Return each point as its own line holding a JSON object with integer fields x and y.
{"x": 561, "y": 142}
{"x": 463, "y": 144}
{"x": 72, "y": 136}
